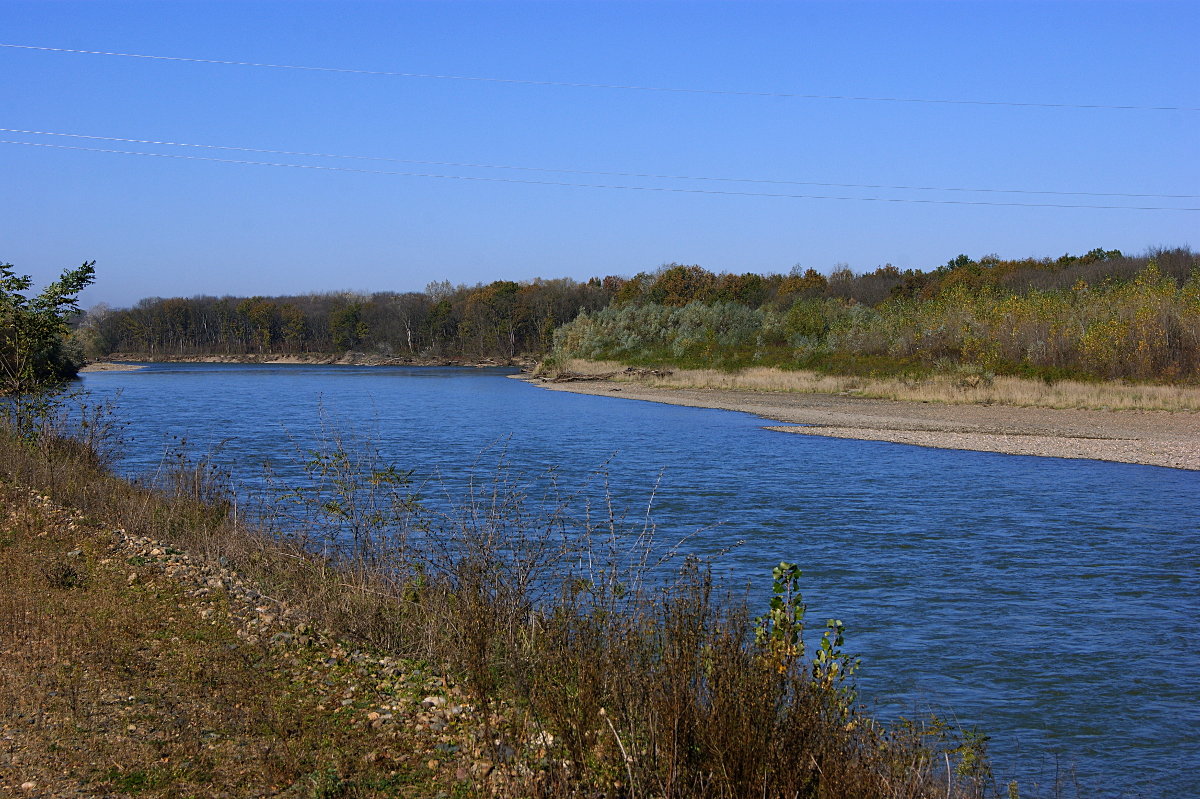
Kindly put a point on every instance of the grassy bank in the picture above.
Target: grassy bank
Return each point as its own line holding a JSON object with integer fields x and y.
{"x": 126, "y": 672}
{"x": 962, "y": 386}
{"x": 505, "y": 644}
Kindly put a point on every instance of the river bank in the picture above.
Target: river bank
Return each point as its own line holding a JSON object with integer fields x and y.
{"x": 1153, "y": 438}
{"x": 135, "y": 667}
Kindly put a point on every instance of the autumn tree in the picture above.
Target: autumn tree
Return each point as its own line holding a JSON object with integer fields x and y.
{"x": 677, "y": 285}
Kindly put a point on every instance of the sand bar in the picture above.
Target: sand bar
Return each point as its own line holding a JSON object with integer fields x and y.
{"x": 1155, "y": 438}
{"x": 109, "y": 366}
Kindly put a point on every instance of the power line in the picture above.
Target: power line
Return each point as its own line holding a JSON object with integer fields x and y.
{"x": 595, "y": 172}
{"x": 675, "y": 190}
{"x": 615, "y": 86}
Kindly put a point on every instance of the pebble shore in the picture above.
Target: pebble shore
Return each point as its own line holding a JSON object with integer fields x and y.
{"x": 1153, "y": 438}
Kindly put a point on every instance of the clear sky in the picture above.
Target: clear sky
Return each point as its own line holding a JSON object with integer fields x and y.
{"x": 179, "y": 227}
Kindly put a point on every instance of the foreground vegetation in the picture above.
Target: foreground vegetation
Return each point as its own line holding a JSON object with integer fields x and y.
{"x": 122, "y": 678}
{"x": 583, "y": 664}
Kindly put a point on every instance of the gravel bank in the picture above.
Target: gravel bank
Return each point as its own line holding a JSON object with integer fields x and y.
{"x": 1154, "y": 438}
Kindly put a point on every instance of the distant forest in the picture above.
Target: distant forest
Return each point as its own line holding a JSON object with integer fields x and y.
{"x": 1099, "y": 315}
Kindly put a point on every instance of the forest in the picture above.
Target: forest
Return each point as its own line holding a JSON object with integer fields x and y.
{"x": 1099, "y": 315}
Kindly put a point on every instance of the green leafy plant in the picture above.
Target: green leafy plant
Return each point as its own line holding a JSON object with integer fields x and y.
{"x": 832, "y": 667}
{"x": 35, "y": 361}
{"x": 779, "y": 632}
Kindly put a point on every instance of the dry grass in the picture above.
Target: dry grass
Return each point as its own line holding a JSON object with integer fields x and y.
{"x": 117, "y": 681}
{"x": 965, "y": 388}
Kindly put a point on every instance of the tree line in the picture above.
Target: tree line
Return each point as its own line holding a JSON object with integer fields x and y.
{"x": 1100, "y": 314}
{"x": 503, "y": 319}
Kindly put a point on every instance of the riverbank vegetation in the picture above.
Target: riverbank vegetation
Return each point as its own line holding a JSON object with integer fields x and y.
{"x": 957, "y": 386}
{"x": 574, "y": 659}
{"x": 35, "y": 351}
{"x": 1100, "y": 316}
{"x": 1137, "y": 322}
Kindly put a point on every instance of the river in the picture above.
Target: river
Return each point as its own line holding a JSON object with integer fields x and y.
{"x": 1054, "y": 604}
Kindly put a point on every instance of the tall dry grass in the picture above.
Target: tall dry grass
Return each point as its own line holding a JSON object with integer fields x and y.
{"x": 962, "y": 387}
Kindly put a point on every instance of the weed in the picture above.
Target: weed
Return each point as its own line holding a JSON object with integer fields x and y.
{"x": 62, "y": 575}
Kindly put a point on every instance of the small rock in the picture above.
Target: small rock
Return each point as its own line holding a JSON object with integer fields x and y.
{"x": 28, "y": 786}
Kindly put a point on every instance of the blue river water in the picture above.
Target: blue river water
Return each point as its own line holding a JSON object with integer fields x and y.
{"x": 1054, "y": 604}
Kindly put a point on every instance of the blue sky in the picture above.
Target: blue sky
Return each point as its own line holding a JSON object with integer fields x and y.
{"x": 175, "y": 227}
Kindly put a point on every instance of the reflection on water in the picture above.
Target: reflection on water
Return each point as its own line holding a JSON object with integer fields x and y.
{"x": 1053, "y": 603}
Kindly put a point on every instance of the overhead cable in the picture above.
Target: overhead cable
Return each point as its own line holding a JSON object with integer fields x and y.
{"x": 667, "y": 189}
{"x": 469, "y": 165}
{"x": 615, "y": 86}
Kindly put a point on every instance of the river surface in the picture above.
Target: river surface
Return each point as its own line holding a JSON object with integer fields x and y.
{"x": 1054, "y": 604}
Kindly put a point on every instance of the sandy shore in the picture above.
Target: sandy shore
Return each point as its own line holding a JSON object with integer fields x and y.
{"x": 1155, "y": 438}
{"x": 107, "y": 366}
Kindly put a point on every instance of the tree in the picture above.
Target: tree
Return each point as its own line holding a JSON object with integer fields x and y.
{"x": 677, "y": 285}
{"x": 262, "y": 318}
{"x": 799, "y": 285}
{"x": 294, "y": 327}
{"x": 346, "y": 326}
{"x": 33, "y": 330}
